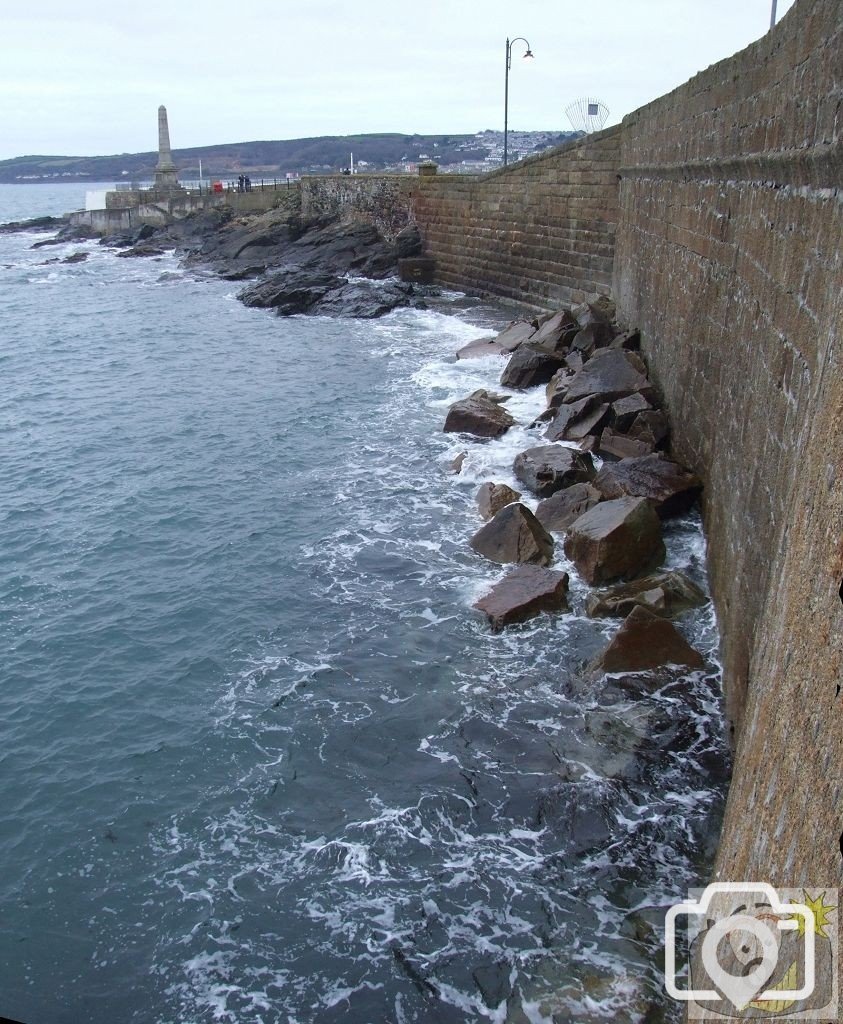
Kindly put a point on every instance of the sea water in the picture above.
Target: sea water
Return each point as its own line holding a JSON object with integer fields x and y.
{"x": 261, "y": 761}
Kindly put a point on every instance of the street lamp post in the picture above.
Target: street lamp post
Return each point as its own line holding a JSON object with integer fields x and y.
{"x": 529, "y": 53}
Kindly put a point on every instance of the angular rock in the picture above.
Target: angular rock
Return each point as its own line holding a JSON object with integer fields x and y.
{"x": 615, "y": 539}
{"x": 530, "y": 365}
{"x": 548, "y": 468}
{"x": 671, "y": 488}
{"x": 557, "y": 385}
{"x": 665, "y": 594}
{"x": 515, "y": 334}
{"x": 619, "y": 446}
{"x": 481, "y": 347}
{"x": 523, "y": 593}
{"x": 479, "y": 414}
{"x": 646, "y": 642}
{"x": 586, "y": 425}
{"x": 514, "y": 535}
{"x": 574, "y": 361}
{"x": 630, "y": 340}
{"x": 492, "y": 497}
{"x": 557, "y": 332}
{"x": 566, "y": 415}
{"x": 600, "y": 310}
{"x": 651, "y": 427}
{"x": 144, "y": 249}
{"x": 624, "y": 410}
{"x": 611, "y": 375}
{"x": 561, "y": 509}
{"x": 360, "y": 299}
{"x": 75, "y": 257}
{"x": 586, "y": 341}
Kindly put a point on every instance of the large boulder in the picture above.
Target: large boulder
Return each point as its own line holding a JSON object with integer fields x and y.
{"x": 479, "y": 414}
{"x": 530, "y": 365}
{"x": 548, "y": 468}
{"x": 650, "y": 427}
{"x": 615, "y": 539}
{"x": 480, "y": 347}
{"x": 671, "y": 488}
{"x": 610, "y": 375}
{"x": 646, "y": 642}
{"x": 515, "y": 334}
{"x": 577, "y": 421}
{"x": 557, "y": 332}
{"x": 524, "y": 592}
{"x": 561, "y": 509}
{"x": 492, "y": 497}
{"x": 408, "y": 242}
{"x": 514, "y": 535}
{"x": 361, "y": 299}
{"x": 665, "y": 594}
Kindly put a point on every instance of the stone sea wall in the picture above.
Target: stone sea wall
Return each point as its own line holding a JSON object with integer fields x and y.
{"x": 729, "y": 260}
{"x": 541, "y": 233}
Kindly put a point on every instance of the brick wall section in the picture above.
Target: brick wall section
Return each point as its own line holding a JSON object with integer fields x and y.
{"x": 729, "y": 258}
{"x": 540, "y": 232}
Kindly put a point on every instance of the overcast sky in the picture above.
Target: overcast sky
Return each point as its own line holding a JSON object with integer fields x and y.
{"x": 87, "y": 78}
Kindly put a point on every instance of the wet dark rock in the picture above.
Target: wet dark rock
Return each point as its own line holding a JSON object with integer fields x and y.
{"x": 671, "y": 488}
{"x": 549, "y": 468}
{"x": 492, "y": 497}
{"x": 666, "y": 594}
{"x": 480, "y": 347}
{"x": 290, "y": 291}
{"x": 363, "y": 300}
{"x": 144, "y": 249}
{"x": 561, "y": 509}
{"x": 33, "y": 224}
{"x": 611, "y": 375}
{"x": 523, "y": 593}
{"x": 242, "y": 273}
{"x": 125, "y": 239}
{"x": 479, "y": 414}
{"x": 75, "y": 257}
{"x": 615, "y": 539}
{"x": 646, "y": 642}
{"x": 558, "y": 385}
{"x": 530, "y": 365}
{"x": 575, "y": 422}
{"x": 589, "y": 339}
{"x": 514, "y": 535}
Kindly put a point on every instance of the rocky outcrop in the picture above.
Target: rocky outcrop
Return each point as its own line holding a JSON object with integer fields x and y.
{"x": 615, "y": 539}
{"x": 480, "y": 414}
{"x": 671, "y": 488}
{"x": 492, "y": 497}
{"x": 304, "y": 291}
{"x": 514, "y": 535}
{"x": 523, "y": 593}
{"x": 549, "y": 468}
{"x": 646, "y": 642}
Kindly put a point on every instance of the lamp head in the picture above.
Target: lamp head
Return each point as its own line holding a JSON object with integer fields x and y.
{"x": 529, "y": 54}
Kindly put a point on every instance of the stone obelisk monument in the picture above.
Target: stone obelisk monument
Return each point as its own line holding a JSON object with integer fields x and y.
{"x": 166, "y": 176}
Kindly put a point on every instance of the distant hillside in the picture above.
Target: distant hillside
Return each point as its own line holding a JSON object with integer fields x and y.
{"x": 275, "y": 159}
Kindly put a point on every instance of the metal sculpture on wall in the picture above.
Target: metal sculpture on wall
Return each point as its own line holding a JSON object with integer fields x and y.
{"x": 587, "y": 114}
